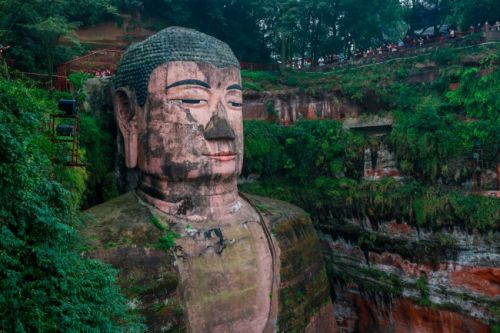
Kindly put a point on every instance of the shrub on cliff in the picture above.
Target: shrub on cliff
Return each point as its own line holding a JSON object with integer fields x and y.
{"x": 45, "y": 285}
{"x": 317, "y": 166}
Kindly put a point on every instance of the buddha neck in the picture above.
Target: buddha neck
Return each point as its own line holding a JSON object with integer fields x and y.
{"x": 194, "y": 200}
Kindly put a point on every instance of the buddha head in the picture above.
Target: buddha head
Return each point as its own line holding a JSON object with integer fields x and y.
{"x": 178, "y": 104}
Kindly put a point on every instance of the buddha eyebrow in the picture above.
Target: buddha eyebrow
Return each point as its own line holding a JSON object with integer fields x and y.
{"x": 189, "y": 82}
{"x": 234, "y": 86}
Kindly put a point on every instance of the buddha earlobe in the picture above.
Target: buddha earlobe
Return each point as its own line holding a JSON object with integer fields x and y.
{"x": 131, "y": 144}
{"x": 127, "y": 123}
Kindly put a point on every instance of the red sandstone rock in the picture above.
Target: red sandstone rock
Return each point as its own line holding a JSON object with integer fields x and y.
{"x": 404, "y": 316}
{"x": 485, "y": 280}
{"x": 409, "y": 268}
{"x": 323, "y": 321}
{"x": 292, "y": 105}
{"x": 311, "y": 112}
{"x": 398, "y": 228}
{"x": 409, "y": 317}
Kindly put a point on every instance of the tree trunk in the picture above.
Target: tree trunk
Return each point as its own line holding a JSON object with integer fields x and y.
{"x": 282, "y": 65}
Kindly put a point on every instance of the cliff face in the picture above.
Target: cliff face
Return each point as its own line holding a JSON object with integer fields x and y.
{"x": 400, "y": 279}
{"x": 390, "y": 276}
{"x": 292, "y": 105}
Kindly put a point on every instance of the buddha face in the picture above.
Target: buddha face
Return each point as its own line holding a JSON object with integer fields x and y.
{"x": 191, "y": 126}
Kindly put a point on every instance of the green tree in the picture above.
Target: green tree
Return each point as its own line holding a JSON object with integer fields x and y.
{"x": 34, "y": 27}
{"x": 48, "y": 33}
{"x": 45, "y": 284}
{"x": 363, "y": 22}
{"x": 471, "y": 12}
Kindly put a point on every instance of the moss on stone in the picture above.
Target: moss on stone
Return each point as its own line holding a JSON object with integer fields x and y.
{"x": 366, "y": 278}
{"x": 304, "y": 285}
{"x": 121, "y": 233}
{"x": 438, "y": 248}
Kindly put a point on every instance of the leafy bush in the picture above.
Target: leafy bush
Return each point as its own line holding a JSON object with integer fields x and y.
{"x": 313, "y": 165}
{"x": 264, "y": 153}
{"x": 77, "y": 80}
{"x": 45, "y": 285}
{"x": 97, "y": 138}
{"x": 167, "y": 241}
{"x": 423, "y": 287}
{"x": 428, "y": 144}
{"x": 444, "y": 56}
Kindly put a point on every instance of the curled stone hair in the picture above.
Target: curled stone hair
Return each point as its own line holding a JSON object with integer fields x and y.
{"x": 170, "y": 44}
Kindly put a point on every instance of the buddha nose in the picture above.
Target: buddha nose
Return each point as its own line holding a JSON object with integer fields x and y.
{"x": 218, "y": 127}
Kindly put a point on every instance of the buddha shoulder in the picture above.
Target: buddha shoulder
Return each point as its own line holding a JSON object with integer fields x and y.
{"x": 284, "y": 219}
{"x": 120, "y": 221}
{"x": 122, "y": 232}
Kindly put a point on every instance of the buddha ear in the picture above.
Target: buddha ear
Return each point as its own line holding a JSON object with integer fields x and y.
{"x": 125, "y": 110}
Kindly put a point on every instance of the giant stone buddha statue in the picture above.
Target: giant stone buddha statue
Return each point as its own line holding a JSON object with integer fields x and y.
{"x": 233, "y": 267}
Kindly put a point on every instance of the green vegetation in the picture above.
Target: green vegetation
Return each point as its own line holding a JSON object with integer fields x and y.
{"x": 34, "y": 29}
{"x": 267, "y": 30}
{"x": 166, "y": 242}
{"x": 96, "y": 137}
{"x": 326, "y": 180}
{"x": 157, "y": 223}
{"x": 368, "y": 279}
{"x": 97, "y": 149}
{"x": 423, "y": 287}
{"x": 495, "y": 310}
{"x": 45, "y": 284}
{"x": 318, "y": 165}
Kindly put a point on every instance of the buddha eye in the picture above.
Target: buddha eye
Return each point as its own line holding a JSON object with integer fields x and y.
{"x": 235, "y": 104}
{"x": 191, "y": 101}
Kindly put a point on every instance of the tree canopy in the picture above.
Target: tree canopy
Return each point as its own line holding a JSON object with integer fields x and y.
{"x": 45, "y": 284}
{"x": 259, "y": 31}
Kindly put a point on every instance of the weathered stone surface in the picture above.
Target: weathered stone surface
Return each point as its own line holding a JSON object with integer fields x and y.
{"x": 109, "y": 35}
{"x": 170, "y": 294}
{"x": 403, "y": 316}
{"x": 98, "y": 97}
{"x": 406, "y": 280}
{"x": 290, "y": 106}
{"x": 367, "y": 122}
{"x": 120, "y": 233}
{"x": 304, "y": 296}
{"x": 484, "y": 280}
{"x": 380, "y": 163}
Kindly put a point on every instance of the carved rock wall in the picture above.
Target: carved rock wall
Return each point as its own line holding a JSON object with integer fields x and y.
{"x": 401, "y": 316}
{"x": 400, "y": 279}
{"x": 290, "y": 106}
{"x": 98, "y": 97}
{"x": 380, "y": 163}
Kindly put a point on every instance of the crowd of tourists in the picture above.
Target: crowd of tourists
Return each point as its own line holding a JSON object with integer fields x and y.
{"x": 103, "y": 73}
{"x": 409, "y": 42}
